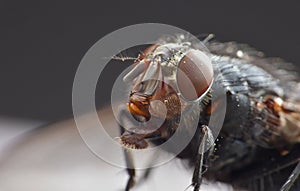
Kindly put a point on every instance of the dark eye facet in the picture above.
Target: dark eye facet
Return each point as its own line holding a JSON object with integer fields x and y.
{"x": 194, "y": 75}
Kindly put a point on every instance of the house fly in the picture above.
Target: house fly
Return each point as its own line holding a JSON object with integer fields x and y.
{"x": 258, "y": 145}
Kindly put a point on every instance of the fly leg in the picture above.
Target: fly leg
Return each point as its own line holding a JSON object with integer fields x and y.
{"x": 288, "y": 185}
{"x": 146, "y": 173}
{"x": 131, "y": 140}
{"x": 127, "y": 154}
{"x": 204, "y": 141}
{"x": 130, "y": 165}
{"x": 130, "y": 171}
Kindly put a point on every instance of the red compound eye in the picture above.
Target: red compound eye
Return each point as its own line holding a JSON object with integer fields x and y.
{"x": 194, "y": 75}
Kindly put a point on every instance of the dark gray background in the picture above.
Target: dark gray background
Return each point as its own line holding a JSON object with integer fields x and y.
{"x": 42, "y": 42}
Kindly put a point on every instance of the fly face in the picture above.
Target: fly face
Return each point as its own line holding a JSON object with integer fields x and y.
{"x": 167, "y": 78}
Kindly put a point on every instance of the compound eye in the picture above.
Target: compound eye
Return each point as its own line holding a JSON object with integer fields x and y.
{"x": 194, "y": 75}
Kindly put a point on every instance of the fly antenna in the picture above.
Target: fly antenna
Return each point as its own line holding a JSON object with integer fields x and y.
{"x": 123, "y": 58}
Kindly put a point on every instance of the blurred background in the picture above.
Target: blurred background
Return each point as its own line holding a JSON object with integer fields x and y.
{"x": 42, "y": 43}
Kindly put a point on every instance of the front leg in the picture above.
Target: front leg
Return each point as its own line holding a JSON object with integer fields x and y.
{"x": 127, "y": 154}
{"x": 131, "y": 140}
{"x": 205, "y": 141}
{"x": 130, "y": 171}
{"x": 130, "y": 165}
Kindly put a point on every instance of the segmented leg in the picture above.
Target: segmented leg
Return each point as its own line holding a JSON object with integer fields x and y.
{"x": 131, "y": 173}
{"x": 198, "y": 171}
{"x": 127, "y": 154}
{"x": 134, "y": 141}
{"x": 146, "y": 174}
{"x": 130, "y": 166}
{"x": 288, "y": 185}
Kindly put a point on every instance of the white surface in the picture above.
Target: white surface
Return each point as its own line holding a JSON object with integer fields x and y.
{"x": 12, "y": 127}
{"x": 56, "y": 159}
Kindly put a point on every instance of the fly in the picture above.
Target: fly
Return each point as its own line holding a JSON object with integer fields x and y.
{"x": 261, "y": 132}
